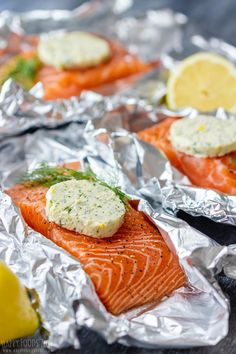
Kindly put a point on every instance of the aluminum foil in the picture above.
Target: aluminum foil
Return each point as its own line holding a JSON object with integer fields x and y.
{"x": 122, "y": 20}
{"x": 20, "y": 111}
{"x": 175, "y": 190}
{"x": 195, "y": 315}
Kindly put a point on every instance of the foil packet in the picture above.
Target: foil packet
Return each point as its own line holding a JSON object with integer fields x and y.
{"x": 21, "y": 111}
{"x": 175, "y": 190}
{"x": 194, "y": 315}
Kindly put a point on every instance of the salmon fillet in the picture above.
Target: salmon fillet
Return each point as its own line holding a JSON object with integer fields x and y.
{"x": 67, "y": 83}
{"x": 132, "y": 268}
{"x": 217, "y": 173}
{"x": 70, "y": 82}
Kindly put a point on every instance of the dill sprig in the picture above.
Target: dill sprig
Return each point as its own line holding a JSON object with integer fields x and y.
{"x": 47, "y": 176}
{"x": 23, "y": 71}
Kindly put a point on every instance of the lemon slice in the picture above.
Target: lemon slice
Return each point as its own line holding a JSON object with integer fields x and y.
{"x": 204, "y": 81}
{"x": 18, "y": 318}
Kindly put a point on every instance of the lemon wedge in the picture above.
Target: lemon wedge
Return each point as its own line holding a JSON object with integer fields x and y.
{"x": 17, "y": 317}
{"x": 204, "y": 81}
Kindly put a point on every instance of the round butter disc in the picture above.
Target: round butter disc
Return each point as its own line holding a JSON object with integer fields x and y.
{"x": 86, "y": 207}
{"x": 204, "y": 136}
{"x": 72, "y": 50}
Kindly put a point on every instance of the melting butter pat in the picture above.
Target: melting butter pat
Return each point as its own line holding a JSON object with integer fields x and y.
{"x": 86, "y": 207}
{"x": 68, "y": 50}
{"x": 204, "y": 136}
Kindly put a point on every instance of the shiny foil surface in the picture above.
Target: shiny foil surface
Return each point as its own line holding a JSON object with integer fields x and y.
{"x": 195, "y": 315}
{"x": 116, "y": 20}
{"x": 173, "y": 190}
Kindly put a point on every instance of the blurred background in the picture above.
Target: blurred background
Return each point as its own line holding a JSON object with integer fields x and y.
{"x": 209, "y": 17}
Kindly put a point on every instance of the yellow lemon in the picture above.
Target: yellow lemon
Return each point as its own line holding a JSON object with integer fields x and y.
{"x": 204, "y": 81}
{"x": 17, "y": 317}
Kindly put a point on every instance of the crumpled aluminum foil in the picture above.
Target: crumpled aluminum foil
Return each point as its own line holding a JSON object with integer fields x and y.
{"x": 175, "y": 190}
{"x": 195, "y": 315}
{"x": 20, "y": 111}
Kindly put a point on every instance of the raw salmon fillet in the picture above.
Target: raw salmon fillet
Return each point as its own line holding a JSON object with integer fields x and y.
{"x": 67, "y": 83}
{"x": 217, "y": 173}
{"x": 132, "y": 268}
{"x": 70, "y": 82}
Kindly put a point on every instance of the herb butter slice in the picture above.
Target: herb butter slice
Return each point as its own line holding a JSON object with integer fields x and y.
{"x": 204, "y": 136}
{"x": 86, "y": 207}
{"x": 72, "y": 50}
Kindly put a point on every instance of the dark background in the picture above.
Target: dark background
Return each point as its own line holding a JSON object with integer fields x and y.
{"x": 209, "y": 18}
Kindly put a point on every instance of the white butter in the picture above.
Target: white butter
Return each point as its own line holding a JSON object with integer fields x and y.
{"x": 86, "y": 207}
{"x": 72, "y": 50}
{"x": 204, "y": 136}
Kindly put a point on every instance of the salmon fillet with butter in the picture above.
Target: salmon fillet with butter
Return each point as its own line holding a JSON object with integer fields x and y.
{"x": 134, "y": 267}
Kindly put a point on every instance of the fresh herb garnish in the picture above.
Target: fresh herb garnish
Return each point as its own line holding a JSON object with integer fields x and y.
{"x": 23, "y": 71}
{"x": 47, "y": 176}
